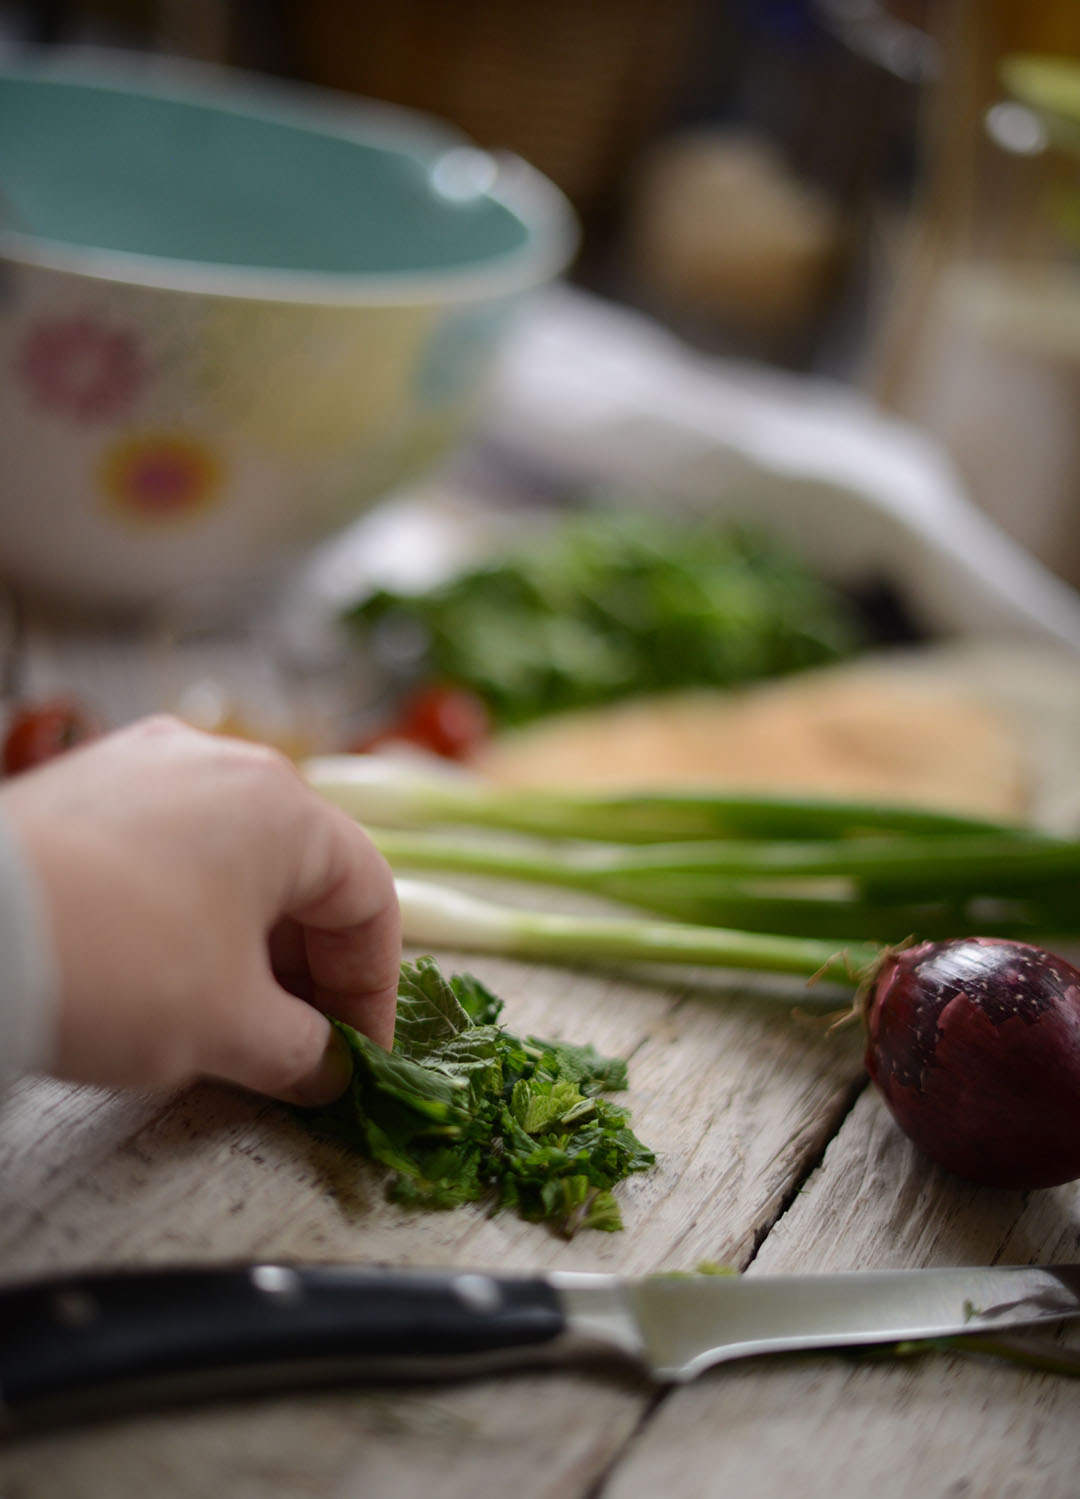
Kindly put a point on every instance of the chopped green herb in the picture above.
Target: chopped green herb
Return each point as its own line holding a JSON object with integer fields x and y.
{"x": 706, "y": 1267}
{"x": 462, "y": 1110}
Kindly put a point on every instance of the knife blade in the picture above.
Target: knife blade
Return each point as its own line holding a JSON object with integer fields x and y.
{"x": 118, "y": 1340}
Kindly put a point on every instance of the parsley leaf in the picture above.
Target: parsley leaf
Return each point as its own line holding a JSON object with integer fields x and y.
{"x": 463, "y": 1111}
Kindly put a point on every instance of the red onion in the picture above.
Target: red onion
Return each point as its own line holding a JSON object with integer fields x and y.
{"x": 975, "y": 1045}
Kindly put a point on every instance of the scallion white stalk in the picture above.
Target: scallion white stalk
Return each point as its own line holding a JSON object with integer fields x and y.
{"x": 440, "y": 916}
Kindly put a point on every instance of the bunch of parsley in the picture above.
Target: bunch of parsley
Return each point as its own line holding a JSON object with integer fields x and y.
{"x": 461, "y": 1110}
{"x": 606, "y": 604}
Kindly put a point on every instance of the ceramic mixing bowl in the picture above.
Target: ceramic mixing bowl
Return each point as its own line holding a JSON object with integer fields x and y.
{"x": 233, "y": 314}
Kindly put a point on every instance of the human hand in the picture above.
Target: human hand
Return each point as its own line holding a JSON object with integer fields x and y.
{"x": 205, "y": 907}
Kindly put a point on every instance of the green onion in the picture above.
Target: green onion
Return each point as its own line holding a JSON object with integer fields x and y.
{"x": 987, "y": 862}
{"x": 757, "y": 882}
{"x": 833, "y": 915}
{"x": 437, "y": 916}
{"x": 835, "y": 909}
{"x": 378, "y": 789}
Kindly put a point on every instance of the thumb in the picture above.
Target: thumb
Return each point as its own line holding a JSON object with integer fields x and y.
{"x": 283, "y": 1047}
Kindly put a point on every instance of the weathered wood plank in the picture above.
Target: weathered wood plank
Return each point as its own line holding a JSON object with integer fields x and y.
{"x": 940, "y": 1425}
{"x": 739, "y": 1102}
{"x": 736, "y": 1100}
{"x": 944, "y": 1429}
{"x": 527, "y": 1435}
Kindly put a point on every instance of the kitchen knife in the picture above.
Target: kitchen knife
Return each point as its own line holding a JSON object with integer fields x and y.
{"x": 88, "y": 1344}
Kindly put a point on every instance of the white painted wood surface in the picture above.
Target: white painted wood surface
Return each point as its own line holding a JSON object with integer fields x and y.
{"x": 773, "y": 1156}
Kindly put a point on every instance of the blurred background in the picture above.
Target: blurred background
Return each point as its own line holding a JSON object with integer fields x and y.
{"x": 857, "y": 188}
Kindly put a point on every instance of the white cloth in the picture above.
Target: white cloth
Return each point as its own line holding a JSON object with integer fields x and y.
{"x": 591, "y": 393}
{"x": 28, "y": 980}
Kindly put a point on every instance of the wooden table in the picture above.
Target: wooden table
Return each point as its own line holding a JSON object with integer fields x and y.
{"x": 773, "y": 1156}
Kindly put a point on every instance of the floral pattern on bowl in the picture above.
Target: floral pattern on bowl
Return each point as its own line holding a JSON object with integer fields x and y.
{"x": 160, "y": 477}
{"x": 80, "y": 366}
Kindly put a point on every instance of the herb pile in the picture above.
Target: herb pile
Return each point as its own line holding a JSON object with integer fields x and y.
{"x": 608, "y": 604}
{"x": 462, "y": 1111}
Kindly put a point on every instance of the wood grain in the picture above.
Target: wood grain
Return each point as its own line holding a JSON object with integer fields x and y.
{"x": 771, "y": 1155}
{"x": 934, "y": 1425}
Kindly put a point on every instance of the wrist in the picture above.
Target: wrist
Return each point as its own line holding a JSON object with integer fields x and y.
{"x": 29, "y": 979}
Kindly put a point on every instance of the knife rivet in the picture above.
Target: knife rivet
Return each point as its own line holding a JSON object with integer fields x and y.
{"x": 277, "y": 1280}
{"x": 478, "y": 1292}
{"x": 74, "y": 1308}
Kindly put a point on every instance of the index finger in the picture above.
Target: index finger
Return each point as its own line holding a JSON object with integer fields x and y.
{"x": 347, "y": 908}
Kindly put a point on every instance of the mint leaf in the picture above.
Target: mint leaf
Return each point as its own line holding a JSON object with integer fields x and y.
{"x": 428, "y": 1012}
{"x": 462, "y": 1110}
{"x": 584, "y": 1065}
{"x": 478, "y": 1002}
{"x": 543, "y": 1105}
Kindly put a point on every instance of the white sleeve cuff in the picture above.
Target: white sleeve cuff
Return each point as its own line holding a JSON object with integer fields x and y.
{"x": 28, "y": 978}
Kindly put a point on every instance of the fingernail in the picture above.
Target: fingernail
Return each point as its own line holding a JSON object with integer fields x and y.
{"x": 332, "y": 1076}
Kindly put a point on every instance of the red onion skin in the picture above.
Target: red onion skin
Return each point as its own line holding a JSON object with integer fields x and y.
{"x": 975, "y": 1045}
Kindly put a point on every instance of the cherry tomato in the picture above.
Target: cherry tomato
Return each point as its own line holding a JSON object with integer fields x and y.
{"x": 448, "y": 721}
{"x": 41, "y": 731}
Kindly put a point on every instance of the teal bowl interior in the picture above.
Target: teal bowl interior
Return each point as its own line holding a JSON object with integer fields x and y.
{"x": 117, "y": 167}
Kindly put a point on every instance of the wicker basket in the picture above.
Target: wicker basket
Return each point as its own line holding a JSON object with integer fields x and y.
{"x": 574, "y": 86}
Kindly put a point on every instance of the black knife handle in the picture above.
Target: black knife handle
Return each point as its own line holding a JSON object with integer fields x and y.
{"x": 105, "y": 1341}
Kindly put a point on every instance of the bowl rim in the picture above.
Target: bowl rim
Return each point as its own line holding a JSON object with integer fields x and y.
{"x": 551, "y": 225}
